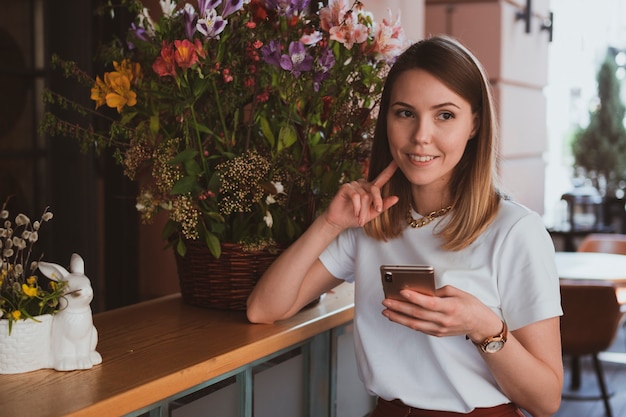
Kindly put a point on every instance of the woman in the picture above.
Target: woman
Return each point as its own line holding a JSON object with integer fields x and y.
{"x": 488, "y": 342}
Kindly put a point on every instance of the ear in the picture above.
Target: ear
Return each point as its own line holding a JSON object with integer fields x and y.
{"x": 77, "y": 265}
{"x": 53, "y": 271}
{"x": 476, "y": 125}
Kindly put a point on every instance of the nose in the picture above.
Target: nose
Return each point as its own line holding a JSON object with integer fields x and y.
{"x": 423, "y": 132}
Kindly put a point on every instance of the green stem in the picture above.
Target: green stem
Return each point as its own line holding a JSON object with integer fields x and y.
{"x": 205, "y": 167}
{"x": 216, "y": 94}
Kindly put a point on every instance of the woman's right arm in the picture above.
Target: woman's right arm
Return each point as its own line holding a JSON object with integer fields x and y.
{"x": 297, "y": 277}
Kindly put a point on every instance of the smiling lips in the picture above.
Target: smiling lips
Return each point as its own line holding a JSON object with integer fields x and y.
{"x": 418, "y": 158}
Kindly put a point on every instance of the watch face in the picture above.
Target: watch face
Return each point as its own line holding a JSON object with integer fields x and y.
{"x": 494, "y": 346}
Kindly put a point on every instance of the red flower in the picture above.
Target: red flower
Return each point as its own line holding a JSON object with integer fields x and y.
{"x": 165, "y": 65}
{"x": 185, "y": 54}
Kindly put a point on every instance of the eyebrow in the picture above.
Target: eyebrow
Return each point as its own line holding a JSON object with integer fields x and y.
{"x": 436, "y": 106}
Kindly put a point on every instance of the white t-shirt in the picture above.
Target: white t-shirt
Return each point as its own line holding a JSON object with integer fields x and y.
{"x": 510, "y": 268}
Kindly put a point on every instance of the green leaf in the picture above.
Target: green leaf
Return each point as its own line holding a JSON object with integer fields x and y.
{"x": 267, "y": 131}
{"x": 184, "y": 185}
{"x": 186, "y": 155}
{"x": 214, "y": 244}
{"x": 193, "y": 168}
{"x": 287, "y": 137}
{"x": 181, "y": 249}
{"x": 154, "y": 123}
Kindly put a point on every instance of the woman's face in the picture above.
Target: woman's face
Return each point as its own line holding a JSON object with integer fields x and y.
{"x": 428, "y": 126}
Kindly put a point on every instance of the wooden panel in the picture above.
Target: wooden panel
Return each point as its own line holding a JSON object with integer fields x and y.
{"x": 156, "y": 349}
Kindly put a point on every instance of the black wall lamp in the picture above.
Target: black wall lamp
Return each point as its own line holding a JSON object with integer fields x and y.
{"x": 526, "y": 16}
{"x": 547, "y": 25}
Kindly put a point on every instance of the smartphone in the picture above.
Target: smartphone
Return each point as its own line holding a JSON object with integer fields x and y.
{"x": 413, "y": 277}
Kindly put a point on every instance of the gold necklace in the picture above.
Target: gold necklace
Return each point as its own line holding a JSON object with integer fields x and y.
{"x": 426, "y": 219}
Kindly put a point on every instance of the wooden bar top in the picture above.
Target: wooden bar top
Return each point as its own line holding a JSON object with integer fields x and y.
{"x": 158, "y": 348}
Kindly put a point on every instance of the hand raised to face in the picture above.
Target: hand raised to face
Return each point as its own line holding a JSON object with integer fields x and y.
{"x": 358, "y": 202}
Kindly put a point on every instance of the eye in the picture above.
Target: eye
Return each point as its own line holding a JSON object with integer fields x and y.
{"x": 445, "y": 115}
{"x": 404, "y": 113}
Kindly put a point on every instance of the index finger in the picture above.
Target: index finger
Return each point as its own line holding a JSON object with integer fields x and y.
{"x": 386, "y": 174}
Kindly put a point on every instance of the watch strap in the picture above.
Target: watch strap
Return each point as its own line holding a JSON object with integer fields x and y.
{"x": 500, "y": 338}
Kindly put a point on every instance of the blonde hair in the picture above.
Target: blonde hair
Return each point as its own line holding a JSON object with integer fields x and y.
{"x": 475, "y": 196}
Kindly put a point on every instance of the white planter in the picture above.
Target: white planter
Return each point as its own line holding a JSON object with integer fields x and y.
{"x": 27, "y": 348}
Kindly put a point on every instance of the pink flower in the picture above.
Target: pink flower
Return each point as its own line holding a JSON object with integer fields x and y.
{"x": 332, "y": 15}
{"x": 350, "y": 32}
{"x": 389, "y": 39}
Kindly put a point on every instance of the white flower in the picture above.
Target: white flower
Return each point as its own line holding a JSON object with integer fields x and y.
{"x": 268, "y": 219}
{"x": 21, "y": 220}
{"x": 168, "y": 7}
{"x": 47, "y": 216}
{"x": 19, "y": 243}
{"x": 280, "y": 188}
{"x": 270, "y": 199}
{"x": 146, "y": 22}
{"x": 4, "y": 214}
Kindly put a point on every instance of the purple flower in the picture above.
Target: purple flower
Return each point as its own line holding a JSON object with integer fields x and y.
{"x": 231, "y": 6}
{"x": 139, "y": 32}
{"x": 190, "y": 17}
{"x": 271, "y": 53}
{"x": 297, "y": 61}
{"x": 287, "y": 7}
{"x": 205, "y": 5}
{"x": 322, "y": 71}
{"x": 210, "y": 24}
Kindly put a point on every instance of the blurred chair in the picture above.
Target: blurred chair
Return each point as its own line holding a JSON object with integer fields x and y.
{"x": 604, "y": 242}
{"x": 591, "y": 319}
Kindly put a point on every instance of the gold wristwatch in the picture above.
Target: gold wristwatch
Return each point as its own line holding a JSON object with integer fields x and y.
{"x": 494, "y": 343}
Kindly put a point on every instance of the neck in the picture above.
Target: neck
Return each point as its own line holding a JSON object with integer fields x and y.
{"x": 427, "y": 199}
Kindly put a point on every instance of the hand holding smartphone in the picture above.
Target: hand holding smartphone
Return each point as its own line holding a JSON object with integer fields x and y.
{"x": 395, "y": 278}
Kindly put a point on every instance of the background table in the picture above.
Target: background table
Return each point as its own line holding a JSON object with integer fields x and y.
{"x": 591, "y": 266}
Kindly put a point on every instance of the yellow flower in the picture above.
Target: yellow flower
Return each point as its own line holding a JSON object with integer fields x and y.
{"x": 132, "y": 70}
{"x": 98, "y": 92}
{"x": 29, "y": 291}
{"x": 16, "y": 314}
{"x": 120, "y": 94}
{"x": 31, "y": 280}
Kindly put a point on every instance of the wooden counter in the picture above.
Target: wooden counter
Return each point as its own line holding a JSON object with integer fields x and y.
{"x": 156, "y": 349}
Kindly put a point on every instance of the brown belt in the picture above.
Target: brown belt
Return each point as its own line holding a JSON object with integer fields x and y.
{"x": 397, "y": 408}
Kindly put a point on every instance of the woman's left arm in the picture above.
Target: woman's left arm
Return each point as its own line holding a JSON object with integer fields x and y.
{"x": 529, "y": 368}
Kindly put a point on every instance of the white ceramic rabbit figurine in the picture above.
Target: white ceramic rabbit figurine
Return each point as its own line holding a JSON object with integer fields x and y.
{"x": 74, "y": 337}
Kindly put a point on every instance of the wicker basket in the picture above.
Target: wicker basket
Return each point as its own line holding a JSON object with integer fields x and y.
{"x": 223, "y": 283}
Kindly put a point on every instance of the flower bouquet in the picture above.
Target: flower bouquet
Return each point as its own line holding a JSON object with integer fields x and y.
{"x": 22, "y": 296}
{"x": 246, "y": 116}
